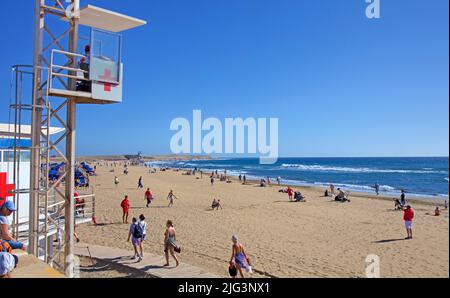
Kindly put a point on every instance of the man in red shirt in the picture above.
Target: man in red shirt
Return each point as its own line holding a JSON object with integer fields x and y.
{"x": 408, "y": 215}
{"x": 125, "y": 207}
{"x": 148, "y": 197}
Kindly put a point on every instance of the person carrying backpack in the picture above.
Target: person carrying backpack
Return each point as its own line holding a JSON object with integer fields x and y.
{"x": 136, "y": 233}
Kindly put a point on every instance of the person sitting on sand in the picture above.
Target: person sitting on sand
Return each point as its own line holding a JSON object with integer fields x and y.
{"x": 398, "y": 205}
{"x": 298, "y": 197}
{"x": 326, "y": 194}
{"x": 170, "y": 243}
{"x": 262, "y": 183}
{"x": 341, "y": 196}
{"x": 239, "y": 257}
{"x": 216, "y": 204}
{"x": 170, "y": 197}
{"x": 437, "y": 211}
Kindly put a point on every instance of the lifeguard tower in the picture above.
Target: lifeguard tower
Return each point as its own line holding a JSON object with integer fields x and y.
{"x": 63, "y": 75}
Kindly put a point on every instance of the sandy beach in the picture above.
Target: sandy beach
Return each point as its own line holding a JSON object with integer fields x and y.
{"x": 317, "y": 238}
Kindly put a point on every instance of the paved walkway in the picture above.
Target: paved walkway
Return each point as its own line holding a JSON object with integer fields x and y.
{"x": 150, "y": 264}
{"x": 31, "y": 267}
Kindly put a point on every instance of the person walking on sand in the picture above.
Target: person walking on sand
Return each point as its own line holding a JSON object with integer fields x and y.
{"x": 143, "y": 223}
{"x": 135, "y": 233}
{"x": 377, "y": 188}
{"x": 125, "y": 204}
{"x": 239, "y": 258}
{"x": 170, "y": 197}
{"x": 403, "y": 198}
{"x": 140, "y": 186}
{"x": 170, "y": 243}
{"x": 279, "y": 180}
{"x": 212, "y": 180}
{"x": 148, "y": 197}
{"x": 408, "y": 215}
{"x": 244, "y": 179}
{"x": 116, "y": 181}
{"x": 332, "y": 189}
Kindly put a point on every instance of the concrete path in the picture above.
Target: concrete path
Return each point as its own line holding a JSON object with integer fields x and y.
{"x": 150, "y": 264}
{"x": 31, "y": 267}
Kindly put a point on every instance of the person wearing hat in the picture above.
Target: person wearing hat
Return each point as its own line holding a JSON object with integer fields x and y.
{"x": 8, "y": 263}
{"x": 6, "y": 210}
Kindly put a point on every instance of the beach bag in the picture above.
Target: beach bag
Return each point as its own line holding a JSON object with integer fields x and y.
{"x": 177, "y": 249}
{"x": 138, "y": 231}
{"x": 232, "y": 271}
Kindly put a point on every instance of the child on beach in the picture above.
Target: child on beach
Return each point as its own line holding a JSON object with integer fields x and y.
{"x": 437, "y": 211}
{"x": 216, "y": 204}
{"x": 408, "y": 215}
{"x": 136, "y": 233}
{"x": 239, "y": 257}
{"x": 125, "y": 204}
{"x": 290, "y": 192}
{"x": 170, "y": 243}
{"x": 148, "y": 197}
{"x": 170, "y": 197}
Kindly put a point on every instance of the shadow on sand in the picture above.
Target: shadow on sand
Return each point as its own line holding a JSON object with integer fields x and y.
{"x": 388, "y": 240}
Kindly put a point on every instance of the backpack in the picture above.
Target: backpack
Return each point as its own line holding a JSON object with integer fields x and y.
{"x": 5, "y": 247}
{"x": 138, "y": 231}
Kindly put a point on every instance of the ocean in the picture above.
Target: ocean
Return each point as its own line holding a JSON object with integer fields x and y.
{"x": 419, "y": 176}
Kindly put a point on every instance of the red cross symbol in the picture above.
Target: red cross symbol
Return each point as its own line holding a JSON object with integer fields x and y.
{"x": 107, "y": 76}
{"x": 5, "y": 189}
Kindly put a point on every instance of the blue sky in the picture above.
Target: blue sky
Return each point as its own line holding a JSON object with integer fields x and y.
{"x": 340, "y": 84}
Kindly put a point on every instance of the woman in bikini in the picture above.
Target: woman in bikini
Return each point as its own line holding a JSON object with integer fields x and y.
{"x": 239, "y": 257}
{"x": 170, "y": 243}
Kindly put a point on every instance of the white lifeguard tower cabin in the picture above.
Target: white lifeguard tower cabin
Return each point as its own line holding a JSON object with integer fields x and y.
{"x": 99, "y": 72}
